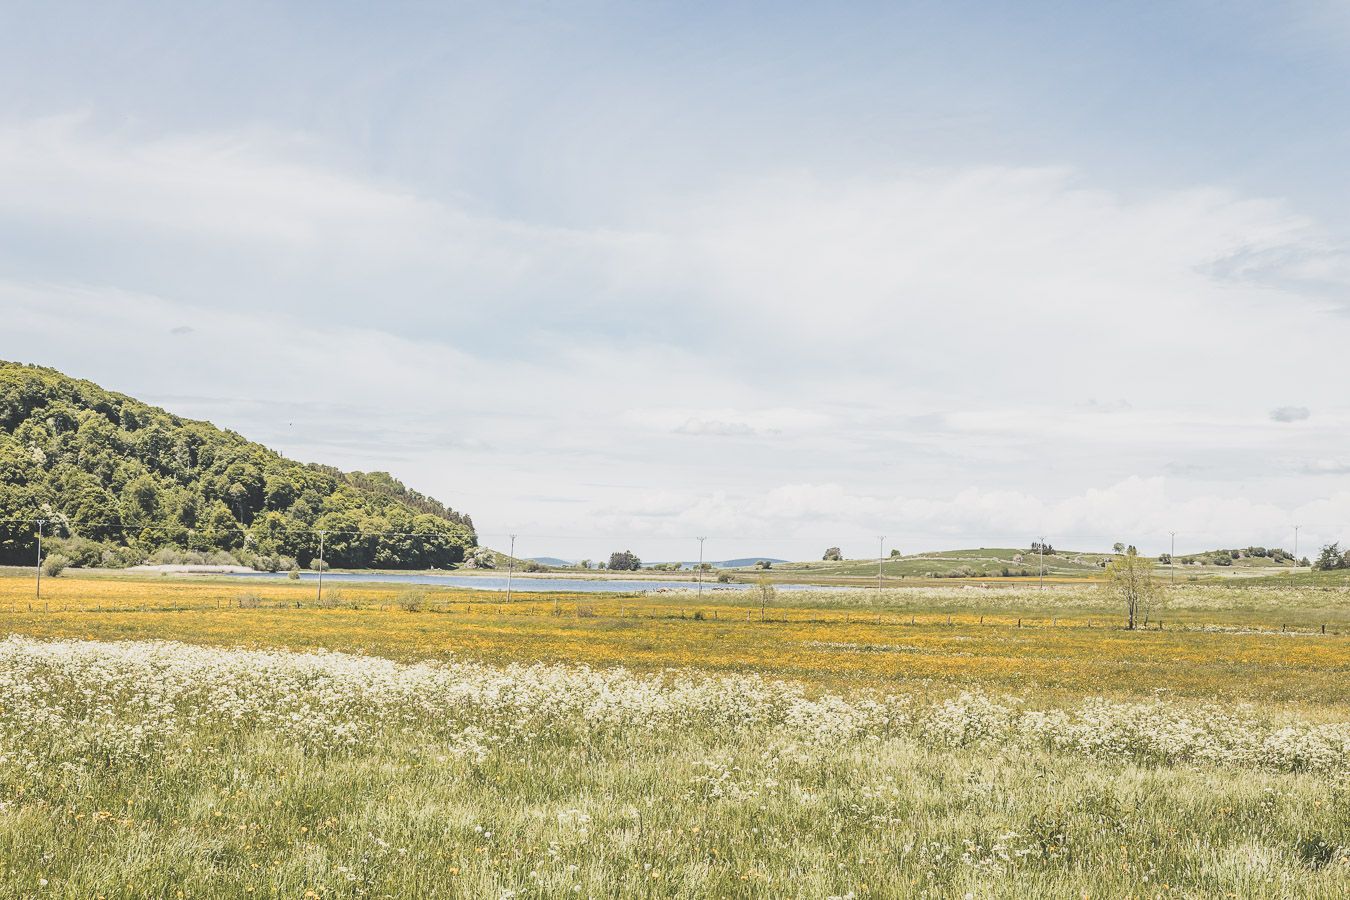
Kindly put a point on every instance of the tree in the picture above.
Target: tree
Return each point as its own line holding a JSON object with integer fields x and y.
{"x": 1118, "y": 547}
{"x": 1330, "y": 558}
{"x": 1130, "y": 580}
{"x": 624, "y": 561}
{"x": 763, "y": 564}
{"x": 833, "y": 554}
{"x": 764, "y": 587}
{"x": 895, "y": 551}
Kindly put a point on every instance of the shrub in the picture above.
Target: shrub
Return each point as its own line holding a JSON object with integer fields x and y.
{"x": 55, "y": 564}
{"x": 267, "y": 563}
{"x": 413, "y": 600}
{"x": 723, "y": 577}
{"x": 294, "y": 573}
{"x": 318, "y": 565}
{"x": 481, "y": 558}
{"x": 80, "y": 551}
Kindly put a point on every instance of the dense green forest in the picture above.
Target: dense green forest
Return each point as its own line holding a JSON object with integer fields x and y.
{"x": 117, "y": 480}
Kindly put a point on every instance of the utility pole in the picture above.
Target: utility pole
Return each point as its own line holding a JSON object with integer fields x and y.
{"x": 318, "y": 598}
{"x": 1172, "y": 558}
{"x": 1042, "y": 552}
{"x": 40, "y": 523}
{"x": 511, "y": 568}
{"x": 1295, "y": 566}
{"x": 881, "y": 557}
{"x": 700, "y": 566}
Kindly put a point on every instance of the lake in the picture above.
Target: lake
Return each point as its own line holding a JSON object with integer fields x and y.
{"x": 498, "y": 582}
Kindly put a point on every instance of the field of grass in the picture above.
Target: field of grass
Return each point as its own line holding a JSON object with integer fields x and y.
{"x": 916, "y": 742}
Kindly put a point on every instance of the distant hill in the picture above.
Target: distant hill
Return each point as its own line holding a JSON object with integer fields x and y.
{"x": 1240, "y": 557}
{"x": 982, "y": 562}
{"x": 116, "y": 480}
{"x": 551, "y": 561}
{"x": 741, "y": 563}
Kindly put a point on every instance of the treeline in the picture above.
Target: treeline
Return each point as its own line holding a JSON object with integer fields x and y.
{"x": 116, "y": 479}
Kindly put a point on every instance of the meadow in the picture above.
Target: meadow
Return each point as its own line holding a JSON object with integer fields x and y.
{"x": 223, "y": 738}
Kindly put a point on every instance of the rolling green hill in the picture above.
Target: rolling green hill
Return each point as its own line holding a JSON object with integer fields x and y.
{"x": 983, "y": 562}
{"x": 116, "y": 480}
{"x": 1240, "y": 558}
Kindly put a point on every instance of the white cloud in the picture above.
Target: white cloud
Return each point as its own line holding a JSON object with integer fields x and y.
{"x": 729, "y": 422}
{"x": 915, "y": 350}
{"x": 1289, "y": 414}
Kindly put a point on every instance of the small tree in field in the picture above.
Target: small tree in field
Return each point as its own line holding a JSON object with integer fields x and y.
{"x": 833, "y": 554}
{"x": 766, "y": 593}
{"x": 1130, "y": 580}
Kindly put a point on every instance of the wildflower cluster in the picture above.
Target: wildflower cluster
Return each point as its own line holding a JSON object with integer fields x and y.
{"x": 119, "y": 704}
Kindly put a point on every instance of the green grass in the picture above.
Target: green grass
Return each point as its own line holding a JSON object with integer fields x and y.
{"x": 111, "y": 786}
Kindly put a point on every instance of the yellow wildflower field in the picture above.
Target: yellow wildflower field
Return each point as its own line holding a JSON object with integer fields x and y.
{"x": 1062, "y": 646}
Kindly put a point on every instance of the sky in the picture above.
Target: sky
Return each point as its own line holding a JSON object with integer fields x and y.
{"x": 787, "y": 276}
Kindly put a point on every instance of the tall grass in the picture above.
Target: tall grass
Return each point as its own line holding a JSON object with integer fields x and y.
{"x": 133, "y": 770}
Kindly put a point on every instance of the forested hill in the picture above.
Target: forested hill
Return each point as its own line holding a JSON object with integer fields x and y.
{"x": 117, "y": 480}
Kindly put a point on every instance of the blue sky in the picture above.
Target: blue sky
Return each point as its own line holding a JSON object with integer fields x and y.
{"x": 959, "y": 273}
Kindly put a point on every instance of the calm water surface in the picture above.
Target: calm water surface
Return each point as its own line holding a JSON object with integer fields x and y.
{"x": 498, "y": 582}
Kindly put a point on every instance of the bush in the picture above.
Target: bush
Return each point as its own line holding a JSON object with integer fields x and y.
{"x": 481, "y": 558}
{"x": 318, "y": 565}
{"x": 294, "y": 573}
{"x": 80, "y": 551}
{"x": 268, "y": 562}
{"x": 723, "y": 577}
{"x": 120, "y": 558}
{"x": 413, "y": 600}
{"x": 55, "y": 564}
